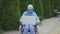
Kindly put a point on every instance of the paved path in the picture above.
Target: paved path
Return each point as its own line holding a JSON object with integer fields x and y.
{"x": 47, "y": 27}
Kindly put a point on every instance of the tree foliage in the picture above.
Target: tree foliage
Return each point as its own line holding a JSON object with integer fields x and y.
{"x": 44, "y": 8}
{"x": 9, "y": 14}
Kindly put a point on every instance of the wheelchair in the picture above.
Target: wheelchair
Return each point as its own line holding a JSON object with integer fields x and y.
{"x": 35, "y": 29}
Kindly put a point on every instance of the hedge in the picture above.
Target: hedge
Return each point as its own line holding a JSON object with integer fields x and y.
{"x": 44, "y": 8}
{"x": 9, "y": 14}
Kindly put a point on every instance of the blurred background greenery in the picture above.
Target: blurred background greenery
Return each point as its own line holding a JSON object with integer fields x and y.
{"x": 9, "y": 14}
{"x": 11, "y": 10}
{"x": 44, "y": 8}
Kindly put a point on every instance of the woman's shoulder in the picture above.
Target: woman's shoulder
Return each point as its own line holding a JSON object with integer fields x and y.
{"x": 25, "y": 12}
{"x": 34, "y": 13}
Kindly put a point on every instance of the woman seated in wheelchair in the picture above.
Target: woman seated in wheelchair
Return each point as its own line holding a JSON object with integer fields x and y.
{"x": 27, "y": 27}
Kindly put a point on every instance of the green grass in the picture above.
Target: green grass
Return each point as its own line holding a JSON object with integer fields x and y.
{"x": 1, "y": 31}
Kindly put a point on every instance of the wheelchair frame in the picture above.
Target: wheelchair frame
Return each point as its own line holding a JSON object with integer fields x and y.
{"x": 21, "y": 31}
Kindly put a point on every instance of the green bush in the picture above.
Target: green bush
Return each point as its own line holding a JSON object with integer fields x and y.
{"x": 44, "y": 8}
{"x": 1, "y": 31}
{"x": 9, "y": 14}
